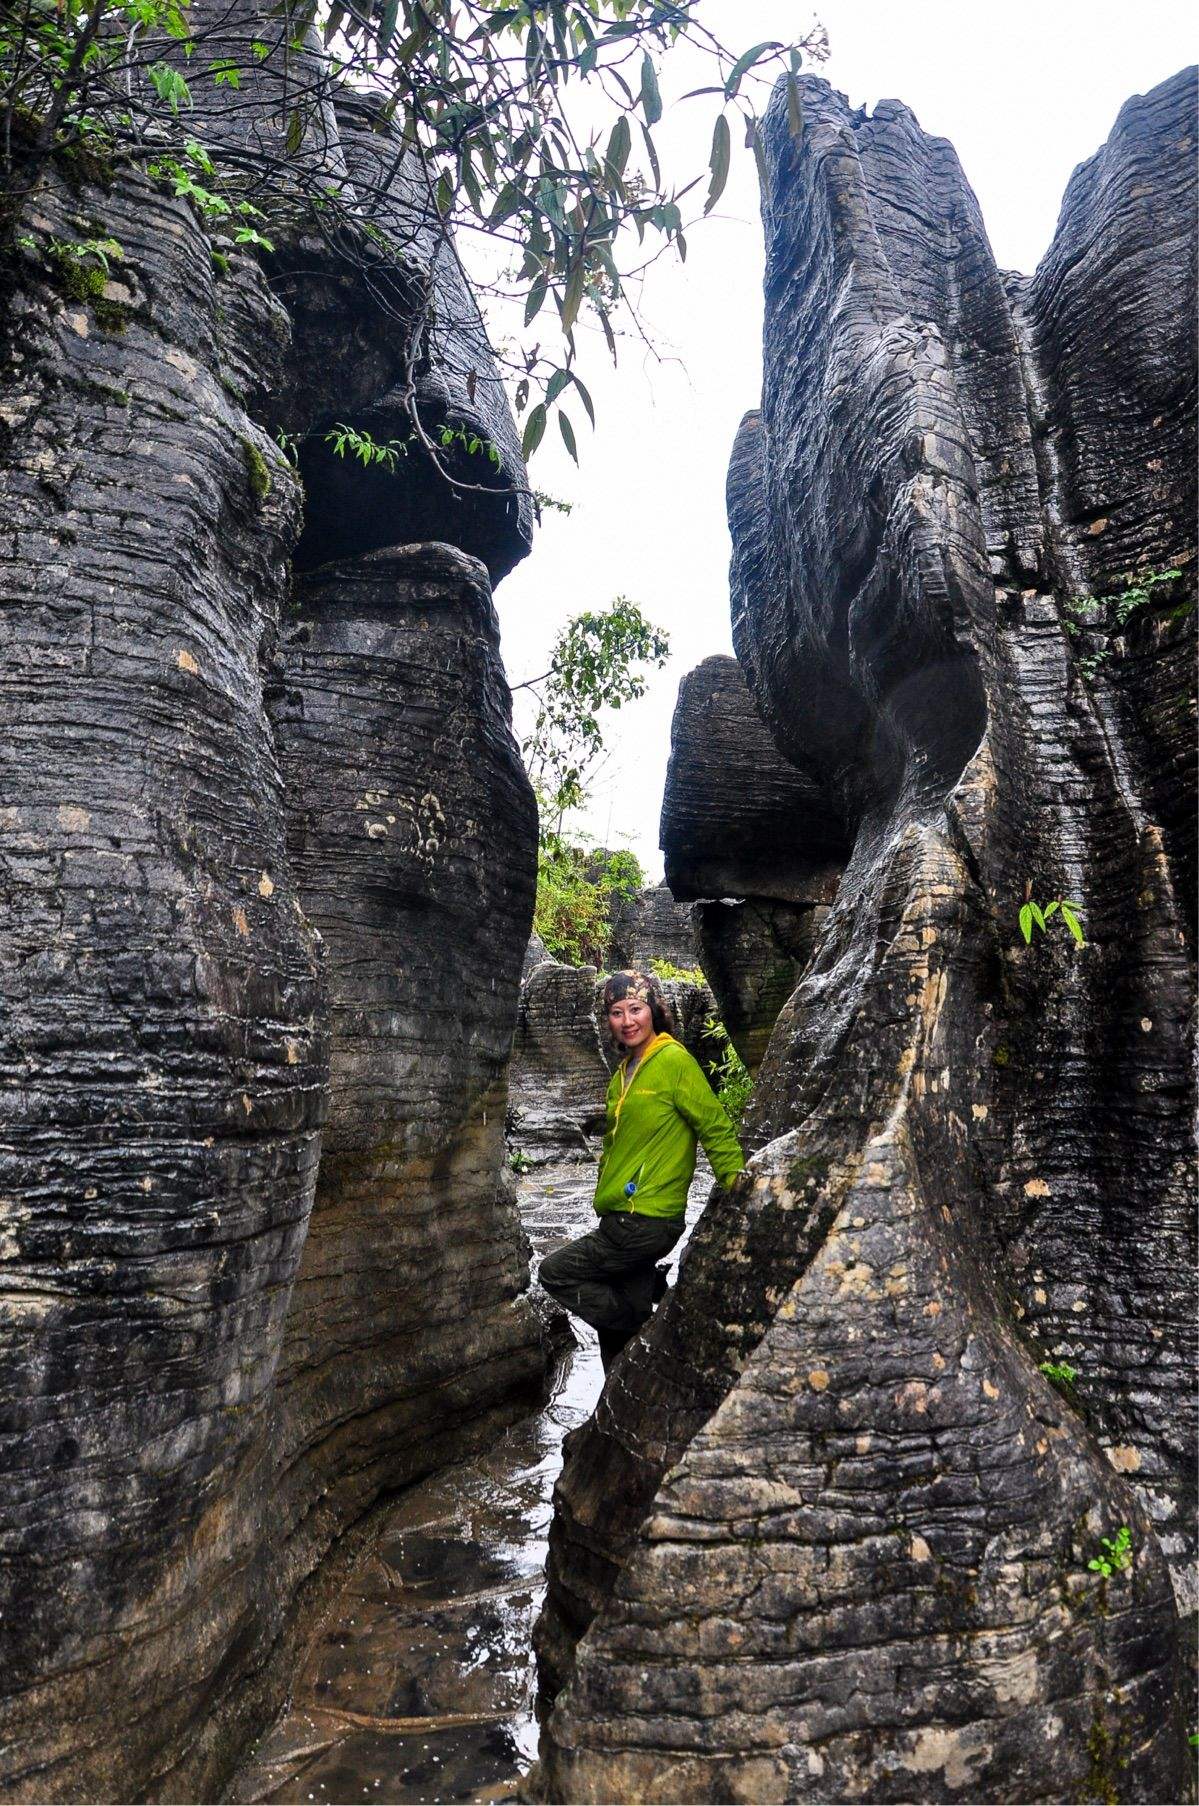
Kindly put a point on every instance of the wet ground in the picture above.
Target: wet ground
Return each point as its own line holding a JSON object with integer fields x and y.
{"x": 418, "y": 1683}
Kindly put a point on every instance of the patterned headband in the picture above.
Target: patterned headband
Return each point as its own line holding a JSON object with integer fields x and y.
{"x": 640, "y": 987}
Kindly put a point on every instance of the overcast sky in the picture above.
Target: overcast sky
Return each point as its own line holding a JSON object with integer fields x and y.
{"x": 1025, "y": 90}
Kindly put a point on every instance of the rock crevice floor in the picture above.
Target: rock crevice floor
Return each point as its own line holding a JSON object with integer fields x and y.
{"x": 418, "y": 1683}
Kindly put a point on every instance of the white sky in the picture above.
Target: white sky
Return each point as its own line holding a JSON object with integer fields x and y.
{"x": 1024, "y": 89}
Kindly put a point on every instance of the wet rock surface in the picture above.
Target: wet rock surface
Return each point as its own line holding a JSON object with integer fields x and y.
{"x": 185, "y": 1430}
{"x": 418, "y": 1683}
{"x": 831, "y": 1536}
{"x": 411, "y": 831}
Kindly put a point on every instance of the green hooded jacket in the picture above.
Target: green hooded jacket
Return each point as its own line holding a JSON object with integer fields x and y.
{"x": 653, "y": 1124}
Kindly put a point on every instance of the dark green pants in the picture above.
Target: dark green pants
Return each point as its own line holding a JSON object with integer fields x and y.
{"x": 607, "y": 1277}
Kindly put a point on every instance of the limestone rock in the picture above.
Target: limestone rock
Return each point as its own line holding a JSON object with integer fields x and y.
{"x": 831, "y": 1535}
{"x": 185, "y": 1431}
{"x": 738, "y": 818}
{"x": 559, "y": 1070}
{"x": 411, "y": 831}
{"x": 747, "y": 838}
{"x": 652, "y": 926}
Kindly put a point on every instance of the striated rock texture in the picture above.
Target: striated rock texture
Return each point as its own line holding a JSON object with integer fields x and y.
{"x": 651, "y": 925}
{"x": 828, "y": 1535}
{"x": 405, "y": 797}
{"x": 183, "y": 1431}
{"x": 751, "y": 844}
{"x": 560, "y": 1065}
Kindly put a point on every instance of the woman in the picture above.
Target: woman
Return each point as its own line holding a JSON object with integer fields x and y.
{"x": 659, "y": 1103}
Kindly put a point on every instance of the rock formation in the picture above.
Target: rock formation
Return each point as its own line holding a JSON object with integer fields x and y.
{"x": 749, "y": 841}
{"x": 831, "y": 1532}
{"x": 198, "y": 1400}
{"x": 651, "y": 925}
{"x": 560, "y": 1066}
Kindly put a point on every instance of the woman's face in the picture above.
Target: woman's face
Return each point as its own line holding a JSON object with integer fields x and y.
{"x": 631, "y": 1021}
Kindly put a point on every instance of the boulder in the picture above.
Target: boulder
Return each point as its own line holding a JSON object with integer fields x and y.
{"x": 834, "y": 1532}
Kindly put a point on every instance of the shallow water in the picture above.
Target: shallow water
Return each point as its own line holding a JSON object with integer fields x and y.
{"x": 419, "y": 1682}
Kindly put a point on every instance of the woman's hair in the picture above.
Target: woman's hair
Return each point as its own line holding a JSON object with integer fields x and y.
{"x": 647, "y": 989}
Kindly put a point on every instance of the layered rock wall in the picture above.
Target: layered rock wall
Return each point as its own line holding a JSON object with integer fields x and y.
{"x": 750, "y": 844}
{"x": 405, "y": 797}
{"x": 830, "y": 1532}
{"x": 186, "y": 1430}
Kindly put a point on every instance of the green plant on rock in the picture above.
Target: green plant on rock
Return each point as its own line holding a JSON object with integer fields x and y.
{"x": 734, "y": 1086}
{"x": 471, "y": 442}
{"x": 1118, "y": 1555}
{"x": 1099, "y": 620}
{"x": 684, "y": 975}
{"x": 1034, "y": 915}
{"x": 519, "y": 1162}
{"x": 1059, "y": 1373}
{"x": 257, "y": 470}
{"x": 82, "y": 266}
{"x": 360, "y": 445}
{"x": 578, "y": 888}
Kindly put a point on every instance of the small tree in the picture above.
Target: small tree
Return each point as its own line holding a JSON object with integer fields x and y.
{"x": 598, "y": 661}
{"x": 530, "y": 124}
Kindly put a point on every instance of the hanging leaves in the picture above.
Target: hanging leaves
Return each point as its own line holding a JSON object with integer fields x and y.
{"x": 744, "y": 64}
{"x": 651, "y": 99}
{"x": 534, "y": 431}
{"x": 718, "y": 162}
{"x": 471, "y": 106}
{"x": 568, "y": 435}
{"x": 573, "y": 297}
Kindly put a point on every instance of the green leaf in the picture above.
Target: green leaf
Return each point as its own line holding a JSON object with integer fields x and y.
{"x": 1026, "y": 921}
{"x": 755, "y": 144}
{"x": 652, "y": 154}
{"x": 295, "y": 132}
{"x": 568, "y": 436}
{"x": 387, "y": 23}
{"x": 1073, "y": 924}
{"x": 619, "y": 145}
{"x": 555, "y": 386}
{"x": 744, "y": 63}
{"x": 651, "y": 99}
{"x": 572, "y": 300}
{"x": 534, "y": 429}
{"x": 1050, "y": 907}
{"x": 1037, "y": 916}
{"x": 535, "y": 297}
{"x": 169, "y": 86}
{"x": 507, "y": 202}
{"x": 794, "y": 108}
{"x": 584, "y": 397}
{"x": 443, "y": 194}
{"x": 718, "y": 161}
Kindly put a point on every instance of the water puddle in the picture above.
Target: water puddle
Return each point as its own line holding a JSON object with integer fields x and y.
{"x": 418, "y": 1684}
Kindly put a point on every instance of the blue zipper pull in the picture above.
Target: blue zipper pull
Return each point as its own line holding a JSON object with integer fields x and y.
{"x": 630, "y": 1189}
